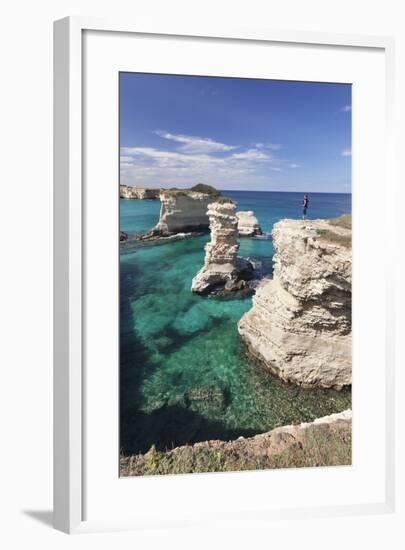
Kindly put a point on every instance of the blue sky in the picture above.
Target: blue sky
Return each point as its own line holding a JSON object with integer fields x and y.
{"x": 176, "y": 131}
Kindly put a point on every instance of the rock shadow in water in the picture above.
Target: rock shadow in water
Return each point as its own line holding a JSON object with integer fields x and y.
{"x": 171, "y": 426}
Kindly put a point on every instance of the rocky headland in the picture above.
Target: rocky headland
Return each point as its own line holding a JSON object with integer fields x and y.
{"x": 300, "y": 323}
{"x": 248, "y": 224}
{"x": 324, "y": 442}
{"x": 140, "y": 193}
{"x": 223, "y": 270}
{"x": 183, "y": 211}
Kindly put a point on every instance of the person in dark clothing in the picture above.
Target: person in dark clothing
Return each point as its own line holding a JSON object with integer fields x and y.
{"x": 305, "y": 207}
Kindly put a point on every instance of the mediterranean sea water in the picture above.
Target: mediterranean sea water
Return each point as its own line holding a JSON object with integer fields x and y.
{"x": 184, "y": 372}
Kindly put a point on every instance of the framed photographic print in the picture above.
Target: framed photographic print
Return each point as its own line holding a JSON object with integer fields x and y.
{"x": 214, "y": 205}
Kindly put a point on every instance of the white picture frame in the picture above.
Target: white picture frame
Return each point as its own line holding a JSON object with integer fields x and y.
{"x": 69, "y": 212}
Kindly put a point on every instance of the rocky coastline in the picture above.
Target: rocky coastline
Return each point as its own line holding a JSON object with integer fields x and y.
{"x": 324, "y": 442}
{"x": 300, "y": 324}
{"x": 139, "y": 193}
{"x": 182, "y": 211}
{"x": 299, "y": 328}
{"x": 223, "y": 270}
{"x": 248, "y": 224}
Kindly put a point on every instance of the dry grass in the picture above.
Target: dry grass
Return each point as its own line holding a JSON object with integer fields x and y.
{"x": 335, "y": 238}
{"x": 344, "y": 221}
{"x": 321, "y": 446}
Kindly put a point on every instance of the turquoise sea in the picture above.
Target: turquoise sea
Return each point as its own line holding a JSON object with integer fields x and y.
{"x": 184, "y": 373}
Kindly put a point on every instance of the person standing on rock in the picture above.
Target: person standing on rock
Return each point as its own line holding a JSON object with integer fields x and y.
{"x": 305, "y": 207}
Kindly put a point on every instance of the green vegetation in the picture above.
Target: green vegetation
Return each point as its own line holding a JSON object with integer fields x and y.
{"x": 343, "y": 238}
{"x": 344, "y": 221}
{"x": 199, "y": 188}
{"x": 332, "y": 237}
{"x": 320, "y": 446}
{"x": 204, "y": 188}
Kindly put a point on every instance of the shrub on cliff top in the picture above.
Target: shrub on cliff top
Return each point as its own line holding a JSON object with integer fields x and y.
{"x": 204, "y": 188}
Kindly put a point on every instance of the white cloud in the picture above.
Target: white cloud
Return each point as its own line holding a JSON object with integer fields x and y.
{"x": 294, "y": 165}
{"x": 273, "y": 146}
{"x": 346, "y": 108}
{"x": 199, "y": 159}
{"x": 195, "y": 144}
{"x": 150, "y": 166}
{"x": 251, "y": 154}
{"x": 346, "y": 153}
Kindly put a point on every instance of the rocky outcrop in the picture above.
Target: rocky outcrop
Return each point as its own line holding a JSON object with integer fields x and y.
{"x": 324, "y": 442}
{"x": 300, "y": 323}
{"x": 141, "y": 193}
{"x": 222, "y": 267}
{"x": 248, "y": 224}
{"x": 183, "y": 211}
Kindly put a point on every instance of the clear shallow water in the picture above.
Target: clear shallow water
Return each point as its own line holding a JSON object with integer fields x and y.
{"x": 185, "y": 376}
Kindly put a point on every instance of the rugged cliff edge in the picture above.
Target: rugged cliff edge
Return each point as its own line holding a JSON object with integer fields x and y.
{"x": 300, "y": 323}
{"x": 141, "y": 193}
{"x": 222, "y": 267}
{"x": 324, "y": 442}
{"x": 248, "y": 224}
{"x": 184, "y": 210}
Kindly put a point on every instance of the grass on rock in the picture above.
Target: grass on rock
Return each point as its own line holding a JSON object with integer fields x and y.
{"x": 332, "y": 237}
{"x": 344, "y": 221}
{"x": 321, "y": 446}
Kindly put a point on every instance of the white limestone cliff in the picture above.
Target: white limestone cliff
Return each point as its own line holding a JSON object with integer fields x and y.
{"x": 222, "y": 267}
{"x": 183, "y": 211}
{"x": 248, "y": 224}
{"x": 300, "y": 323}
{"x": 141, "y": 193}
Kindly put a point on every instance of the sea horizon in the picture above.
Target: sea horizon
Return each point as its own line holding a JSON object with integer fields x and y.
{"x": 247, "y": 190}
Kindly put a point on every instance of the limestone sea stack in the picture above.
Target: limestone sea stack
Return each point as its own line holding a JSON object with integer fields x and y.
{"x": 222, "y": 267}
{"x": 300, "y": 323}
{"x": 248, "y": 224}
{"x": 184, "y": 210}
{"x": 141, "y": 193}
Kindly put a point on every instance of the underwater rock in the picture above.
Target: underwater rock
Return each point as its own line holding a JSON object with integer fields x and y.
{"x": 163, "y": 342}
{"x": 194, "y": 320}
{"x": 300, "y": 323}
{"x": 222, "y": 265}
{"x": 248, "y": 224}
{"x": 206, "y": 399}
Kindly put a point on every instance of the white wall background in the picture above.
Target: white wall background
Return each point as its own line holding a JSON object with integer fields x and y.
{"x": 26, "y": 268}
